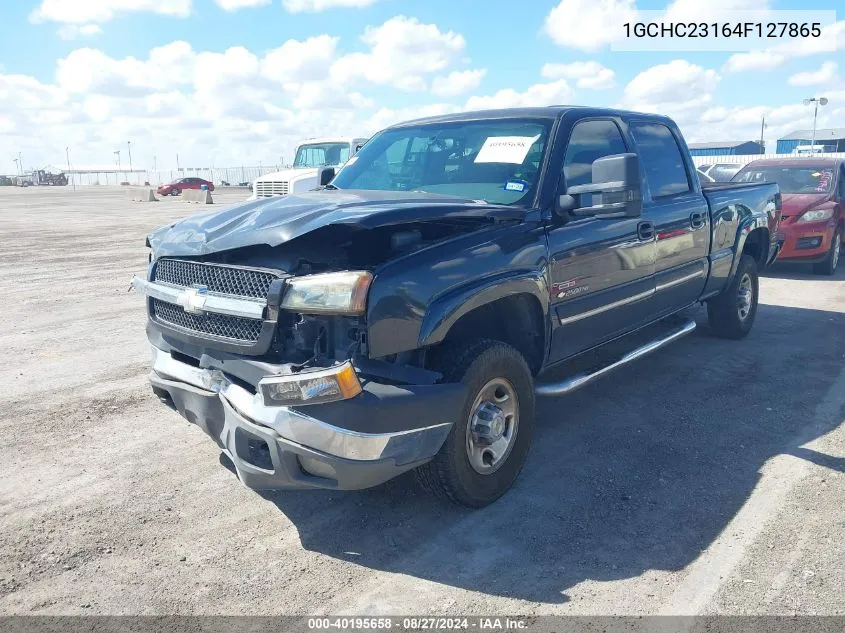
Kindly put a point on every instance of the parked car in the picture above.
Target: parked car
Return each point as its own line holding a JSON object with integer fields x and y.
{"x": 311, "y": 159}
{"x": 720, "y": 172}
{"x": 406, "y": 315}
{"x": 702, "y": 175}
{"x": 813, "y": 192}
{"x": 180, "y": 184}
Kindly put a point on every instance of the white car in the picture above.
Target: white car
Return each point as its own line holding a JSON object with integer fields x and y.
{"x": 311, "y": 157}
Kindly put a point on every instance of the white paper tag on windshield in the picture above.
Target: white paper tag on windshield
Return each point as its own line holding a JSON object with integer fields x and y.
{"x": 505, "y": 149}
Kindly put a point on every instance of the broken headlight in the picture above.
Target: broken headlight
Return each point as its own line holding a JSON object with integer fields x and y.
{"x": 328, "y": 293}
{"x": 311, "y": 387}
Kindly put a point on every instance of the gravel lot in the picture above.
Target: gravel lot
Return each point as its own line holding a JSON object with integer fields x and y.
{"x": 707, "y": 479}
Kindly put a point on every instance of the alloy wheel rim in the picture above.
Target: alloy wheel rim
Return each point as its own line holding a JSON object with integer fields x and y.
{"x": 492, "y": 427}
{"x": 745, "y": 297}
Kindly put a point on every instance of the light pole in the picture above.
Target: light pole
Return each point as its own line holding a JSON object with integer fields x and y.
{"x": 20, "y": 162}
{"x": 129, "y": 147}
{"x": 17, "y": 166}
{"x": 821, "y": 101}
{"x": 117, "y": 153}
{"x": 67, "y": 153}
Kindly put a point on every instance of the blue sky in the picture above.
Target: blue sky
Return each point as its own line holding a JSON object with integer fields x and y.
{"x": 240, "y": 81}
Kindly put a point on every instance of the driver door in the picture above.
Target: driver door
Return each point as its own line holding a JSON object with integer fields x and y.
{"x": 601, "y": 270}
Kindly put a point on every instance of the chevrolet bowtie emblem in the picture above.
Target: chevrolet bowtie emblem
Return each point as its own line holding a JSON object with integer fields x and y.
{"x": 193, "y": 299}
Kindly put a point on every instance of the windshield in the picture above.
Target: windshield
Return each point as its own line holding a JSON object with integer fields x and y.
{"x": 321, "y": 155}
{"x": 809, "y": 179}
{"x": 494, "y": 161}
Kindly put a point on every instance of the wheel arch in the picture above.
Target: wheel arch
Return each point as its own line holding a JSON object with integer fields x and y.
{"x": 510, "y": 309}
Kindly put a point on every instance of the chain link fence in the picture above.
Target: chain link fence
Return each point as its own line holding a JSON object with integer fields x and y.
{"x": 217, "y": 175}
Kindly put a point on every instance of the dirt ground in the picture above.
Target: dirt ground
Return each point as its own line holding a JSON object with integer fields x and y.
{"x": 706, "y": 479}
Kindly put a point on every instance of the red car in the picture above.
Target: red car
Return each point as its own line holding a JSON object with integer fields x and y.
{"x": 813, "y": 220}
{"x": 180, "y": 184}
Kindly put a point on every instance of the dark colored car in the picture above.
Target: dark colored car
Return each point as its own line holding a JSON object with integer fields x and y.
{"x": 406, "y": 315}
{"x": 813, "y": 191}
{"x": 180, "y": 184}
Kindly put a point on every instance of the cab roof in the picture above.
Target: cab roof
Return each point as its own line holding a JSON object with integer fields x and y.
{"x": 545, "y": 112}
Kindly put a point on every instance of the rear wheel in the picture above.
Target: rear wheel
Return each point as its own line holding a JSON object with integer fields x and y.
{"x": 731, "y": 314}
{"x": 489, "y": 443}
{"x": 828, "y": 266}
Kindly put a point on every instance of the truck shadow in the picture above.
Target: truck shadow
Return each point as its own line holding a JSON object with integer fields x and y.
{"x": 802, "y": 272}
{"x": 638, "y": 472}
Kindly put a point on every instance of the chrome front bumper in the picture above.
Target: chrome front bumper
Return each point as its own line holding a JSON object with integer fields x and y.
{"x": 278, "y": 447}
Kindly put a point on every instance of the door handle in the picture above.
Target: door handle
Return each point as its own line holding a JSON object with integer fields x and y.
{"x": 697, "y": 219}
{"x": 645, "y": 231}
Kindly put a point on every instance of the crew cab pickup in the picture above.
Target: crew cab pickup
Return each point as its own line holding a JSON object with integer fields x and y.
{"x": 405, "y": 315}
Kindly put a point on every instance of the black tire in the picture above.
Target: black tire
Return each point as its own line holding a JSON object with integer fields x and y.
{"x": 175, "y": 192}
{"x": 828, "y": 266}
{"x": 725, "y": 312}
{"x": 450, "y": 474}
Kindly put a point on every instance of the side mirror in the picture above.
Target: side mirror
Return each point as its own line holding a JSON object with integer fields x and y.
{"x": 326, "y": 175}
{"x": 616, "y": 183}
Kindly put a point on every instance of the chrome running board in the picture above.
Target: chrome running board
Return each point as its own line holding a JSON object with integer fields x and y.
{"x": 571, "y": 384}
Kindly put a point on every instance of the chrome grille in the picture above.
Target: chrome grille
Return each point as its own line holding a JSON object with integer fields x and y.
{"x": 228, "y": 280}
{"x": 221, "y": 280}
{"x": 218, "y": 325}
{"x": 270, "y": 188}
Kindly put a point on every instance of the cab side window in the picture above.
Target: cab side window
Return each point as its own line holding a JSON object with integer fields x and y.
{"x": 590, "y": 140}
{"x": 661, "y": 159}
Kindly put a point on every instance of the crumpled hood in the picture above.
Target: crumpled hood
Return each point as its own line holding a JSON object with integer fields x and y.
{"x": 795, "y": 203}
{"x": 273, "y": 221}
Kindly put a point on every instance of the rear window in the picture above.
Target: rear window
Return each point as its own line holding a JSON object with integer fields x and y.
{"x": 661, "y": 159}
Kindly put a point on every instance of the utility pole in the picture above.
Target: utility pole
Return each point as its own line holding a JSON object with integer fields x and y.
{"x": 67, "y": 153}
{"x": 821, "y": 101}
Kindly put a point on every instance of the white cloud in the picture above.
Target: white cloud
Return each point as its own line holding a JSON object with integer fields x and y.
{"x": 75, "y": 31}
{"x": 753, "y": 60}
{"x": 99, "y": 11}
{"x": 402, "y": 50}
{"x": 457, "y": 82}
{"x": 589, "y": 74}
{"x": 588, "y": 25}
{"x": 675, "y": 82}
{"x": 554, "y": 93}
{"x": 824, "y": 75}
{"x": 297, "y": 61}
{"x": 234, "y": 5}
{"x": 314, "y": 6}
{"x": 832, "y": 39}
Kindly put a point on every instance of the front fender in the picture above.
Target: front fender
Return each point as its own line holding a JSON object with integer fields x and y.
{"x": 447, "y": 309}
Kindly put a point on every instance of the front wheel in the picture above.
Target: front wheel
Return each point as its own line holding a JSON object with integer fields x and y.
{"x": 489, "y": 443}
{"x": 731, "y": 314}
{"x": 831, "y": 261}
{"x": 175, "y": 192}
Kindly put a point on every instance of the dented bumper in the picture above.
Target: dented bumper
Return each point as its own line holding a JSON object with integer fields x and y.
{"x": 319, "y": 446}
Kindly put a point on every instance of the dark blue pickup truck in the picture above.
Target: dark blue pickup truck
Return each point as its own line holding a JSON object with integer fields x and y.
{"x": 404, "y": 315}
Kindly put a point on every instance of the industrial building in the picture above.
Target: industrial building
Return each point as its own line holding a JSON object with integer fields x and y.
{"x": 726, "y": 148}
{"x": 832, "y": 139}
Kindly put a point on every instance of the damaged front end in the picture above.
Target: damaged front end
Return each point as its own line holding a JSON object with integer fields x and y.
{"x": 265, "y": 347}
